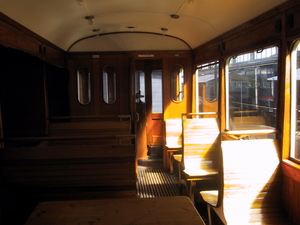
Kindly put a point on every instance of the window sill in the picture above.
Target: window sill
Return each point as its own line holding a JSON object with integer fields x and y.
{"x": 291, "y": 170}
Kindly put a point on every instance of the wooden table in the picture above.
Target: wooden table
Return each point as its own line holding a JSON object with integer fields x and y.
{"x": 133, "y": 211}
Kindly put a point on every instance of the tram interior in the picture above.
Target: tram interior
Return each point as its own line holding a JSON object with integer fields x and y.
{"x": 148, "y": 99}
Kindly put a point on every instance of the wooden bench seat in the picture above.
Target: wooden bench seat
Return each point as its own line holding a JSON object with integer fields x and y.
{"x": 69, "y": 172}
{"x": 173, "y": 141}
{"x": 250, "y": 189}
{"x": 201, "y": 145}
{"x": 118, "y": 126}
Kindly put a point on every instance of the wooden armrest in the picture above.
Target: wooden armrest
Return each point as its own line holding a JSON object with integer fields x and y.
{"x": 210, "y": 197}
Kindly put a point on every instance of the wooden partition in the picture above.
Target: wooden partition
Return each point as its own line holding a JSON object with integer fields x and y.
{"x": 69, "y": 172}
{"x": 80, "y": 159}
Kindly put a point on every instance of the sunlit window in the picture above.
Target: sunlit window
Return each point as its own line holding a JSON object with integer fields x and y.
{"x": 177, "y": 83}
{"x": 295, "y": 103}
{"x": 109, "y": 84}
{"x": 208, "y": 87}
{"x": 157, "y": 103}
{"x": 252, "y": 90}
{"x": 83, "y": 85}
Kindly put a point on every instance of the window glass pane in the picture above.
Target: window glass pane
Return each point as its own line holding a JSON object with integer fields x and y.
{"x": 109, "y": 84}
{"x": 177, "y": 83}
{"x": 140, "y": 86}
{"x": 295, "y": 111}
{"x": 252, "y": 90}
{"x": 208, "y": 87}
{"x": 83, "y": 85}
{"x": 157, "y": 103}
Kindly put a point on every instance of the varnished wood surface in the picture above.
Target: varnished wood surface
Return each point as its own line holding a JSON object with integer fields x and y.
{"x": 201, "y": 146}
{"x": 139, "y": 211}
{"x": 251, "y": 184}
{"x": 173, "y": 140}
{"x": 45, "y": 173}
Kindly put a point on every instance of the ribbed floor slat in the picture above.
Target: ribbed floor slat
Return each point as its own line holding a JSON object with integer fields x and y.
{"x": 156, "y": 182}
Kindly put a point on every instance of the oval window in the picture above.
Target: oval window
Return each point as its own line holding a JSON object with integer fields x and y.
{"x": 83, "y": 85}
{"x": 109, "y": 84}
{"x": 177, "y": 83}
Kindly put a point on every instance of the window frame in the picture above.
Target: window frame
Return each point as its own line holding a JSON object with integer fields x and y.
{"x": 293, "y": 102}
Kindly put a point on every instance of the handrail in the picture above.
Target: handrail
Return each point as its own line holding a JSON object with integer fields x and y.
{"x": 242, "y": 133}
{"x": 90, "y": 117}
{"x": 59, "y": 138}
{"x": 201, "y": 113}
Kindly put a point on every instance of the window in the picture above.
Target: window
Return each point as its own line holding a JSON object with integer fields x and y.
{"x": 157, "y": 106}
{"x": 140, "y": 86}
{"x": 83, "y": 85}
{"x": 295, "y": 104}
{"x": 208, "y": 87}
{"x": 252, "y": 90}
{"x": 109, "y": 84}
{"x": 177, "y": 83}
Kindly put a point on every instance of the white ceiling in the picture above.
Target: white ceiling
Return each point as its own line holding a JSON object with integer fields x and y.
{"x": 63, "y": 22}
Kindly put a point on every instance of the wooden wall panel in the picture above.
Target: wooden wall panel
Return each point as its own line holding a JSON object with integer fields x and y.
{"x": 76, "y": 109}
{"x": 293, "y": 21}
{"x": 209, "y": 52}
{"x": 261, "y": 35}
{"x": 54, "y": 56}
{"x": 96, "y": 62}
{"x": 16, "y": 36}
{"x": 291, "y": 198}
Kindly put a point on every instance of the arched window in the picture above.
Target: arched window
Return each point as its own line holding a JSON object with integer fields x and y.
{"x": 109, "y": 84}
{"x": 177, "y": 83}
{"x": 83, "y": 85}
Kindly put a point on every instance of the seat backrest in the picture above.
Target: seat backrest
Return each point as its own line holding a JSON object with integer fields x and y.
{"x": 251, "y": 180}
{"x": 201, "y": 143}
{"x": 173, "y": 129}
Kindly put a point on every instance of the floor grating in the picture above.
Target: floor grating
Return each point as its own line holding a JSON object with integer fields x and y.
{"x": 156, "y": 182}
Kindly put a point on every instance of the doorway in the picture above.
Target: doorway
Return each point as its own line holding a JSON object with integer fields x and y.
{"x": 149, "y": 107}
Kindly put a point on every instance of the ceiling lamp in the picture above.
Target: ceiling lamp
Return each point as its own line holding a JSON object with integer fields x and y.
{"x": 89, "y": 19}
{"x": 175, "y": 16}
{"x": 80, "y": 2}
{"x": 164, "y": 30}
{"x": 96, "y": 31}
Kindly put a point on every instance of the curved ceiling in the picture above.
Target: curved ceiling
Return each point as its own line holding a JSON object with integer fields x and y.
{"x": 133, "y": 25}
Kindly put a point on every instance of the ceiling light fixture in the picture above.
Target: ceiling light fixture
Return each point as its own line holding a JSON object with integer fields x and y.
{"x": 164, "y": 30}
{"x": 175, "y": 16}
{"x": 89, "y": 19}
{"x": 96, "y": 31}
{"x": 80, "y": 2}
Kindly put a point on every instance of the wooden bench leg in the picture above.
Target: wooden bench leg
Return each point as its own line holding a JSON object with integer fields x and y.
{"x": 192, "y": 190}
{"x": 209, "y": 214}
{"x": 171, "y": 162}
{"x": 179, "y": 175}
